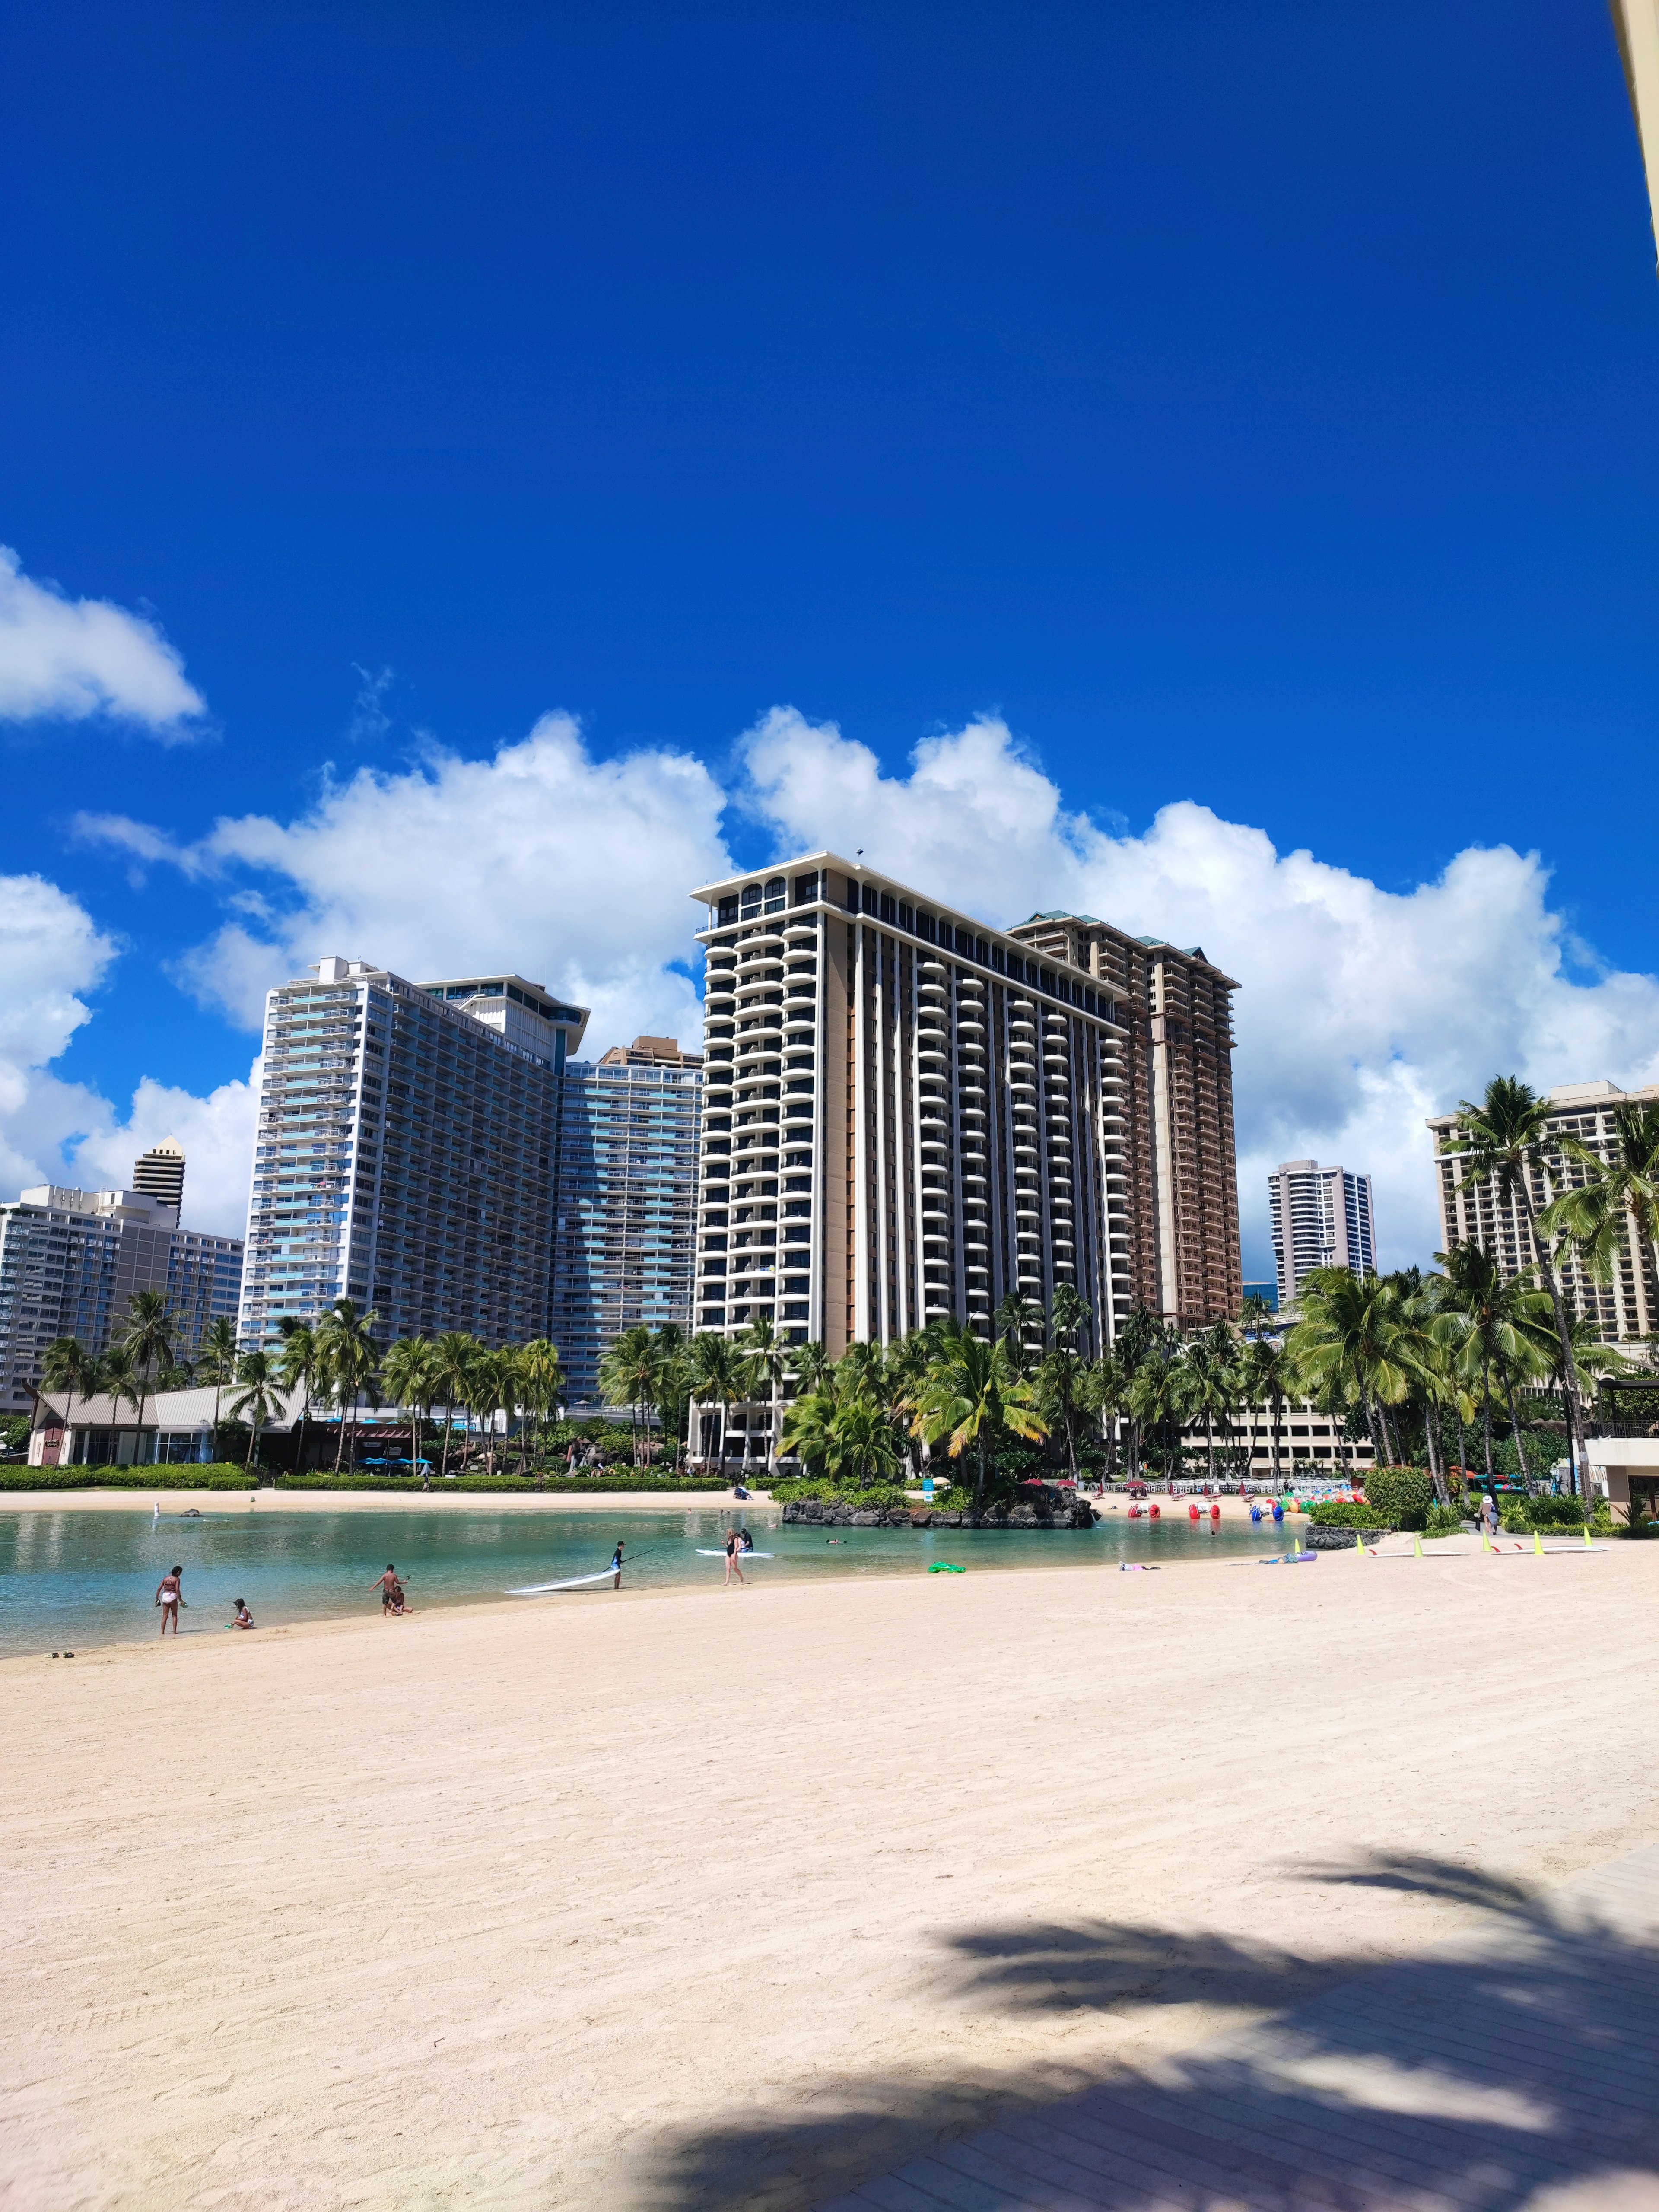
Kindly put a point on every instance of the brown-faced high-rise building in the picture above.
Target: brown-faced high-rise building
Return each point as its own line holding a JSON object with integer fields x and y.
{"x": 1182, "y": 1175}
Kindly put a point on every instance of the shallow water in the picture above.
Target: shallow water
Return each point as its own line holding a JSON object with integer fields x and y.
{"x": 76, "y": 1579}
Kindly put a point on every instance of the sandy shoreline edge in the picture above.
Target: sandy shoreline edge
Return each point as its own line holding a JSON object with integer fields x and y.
{"x": 371, "y": 1501}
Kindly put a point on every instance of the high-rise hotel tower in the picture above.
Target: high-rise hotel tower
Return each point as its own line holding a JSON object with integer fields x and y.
{"x": 905, "y": 1114}
{"x": 406, "y": 1153}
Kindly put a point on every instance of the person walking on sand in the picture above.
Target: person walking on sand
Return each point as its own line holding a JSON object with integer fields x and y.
{"x": 617, "y": 1565}
{"x": 169, "y": 1595}
{"x": 391, "y": 1589}
{"x": 734, "y": 1553}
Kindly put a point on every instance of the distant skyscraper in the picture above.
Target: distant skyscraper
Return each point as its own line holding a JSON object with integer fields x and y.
{"x": 160, "y": 1172}
{"x": 627, "y": 1200}
{"x": 406, "y": 1158}
{"x": 1182, "y": 1180}
{"x": 1321, "y": 1218}
{"x": 71, "y": 1260}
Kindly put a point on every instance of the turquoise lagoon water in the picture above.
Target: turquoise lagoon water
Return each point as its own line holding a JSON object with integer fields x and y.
{"x": 78, "y": 1579}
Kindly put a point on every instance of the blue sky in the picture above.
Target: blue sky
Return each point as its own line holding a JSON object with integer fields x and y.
{"x": 1251, "y": 406}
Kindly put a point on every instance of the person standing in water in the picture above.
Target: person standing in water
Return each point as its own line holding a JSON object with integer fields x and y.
{"x": 617, "y": 1565}
{"x": 169, "y": 1595}
{"x": 734, "y": 1553}
{"x": 391, "y": 1589}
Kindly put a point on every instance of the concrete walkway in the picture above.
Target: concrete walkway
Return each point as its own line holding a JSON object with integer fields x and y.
{"x": 1516, "y": 2066}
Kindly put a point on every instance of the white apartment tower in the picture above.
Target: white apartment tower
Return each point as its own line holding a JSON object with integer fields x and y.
{"x": 905, "y": 1114}
{"x": 406, "y": 1156}
{"x": 1321, "y": 1218}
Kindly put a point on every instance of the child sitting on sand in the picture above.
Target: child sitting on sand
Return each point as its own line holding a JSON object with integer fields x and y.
{"x": 244, "y": 1617}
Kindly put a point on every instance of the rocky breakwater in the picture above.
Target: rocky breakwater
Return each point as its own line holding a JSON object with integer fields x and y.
{"x": 1041, "y": 1507}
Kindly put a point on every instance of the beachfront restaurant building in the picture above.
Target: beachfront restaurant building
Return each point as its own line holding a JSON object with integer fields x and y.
{"x": 176, "y": 1428}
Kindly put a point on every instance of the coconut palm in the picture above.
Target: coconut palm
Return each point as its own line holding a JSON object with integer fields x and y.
{"x": 1503, "y": 1140}
{"x": 1104, "y": 1397}
{"x": 492, "y": 1384}
{"x": 351, "y": 1359}
{"x": 628, "y": 1376}
{"x": 1622, "y": 1188}
{"x": 453, "y": 1354}
{"x": 1499, "y": 1330}
{"x": 810, "y": 1364}
{"x": 1155, "y": 1391}
{"x": 408, "y": 1378}
{"x": 216, "y": 1361}
{"x": 542, "y": 1386}
{"x": 121, "y": 1381}
{"x": 1353, "y": 1333}
{"x": 973, "y": 1391}
{"x": 1208, "y": 1387}
{"x": 1017, "y": 1319}
{"x": 863, "y": 1447}
{"x": 1266, "y": 1378}
{"x": 1256, "y": 1315}
{"x": 259, "y": 1396}
{"x": 717, "y": 1376}
{"x": 68, "y": 1367}
{"x": 300, "y": 1364}
{"x": 768, "y": 1359}
{"x": 148, "y": 1335}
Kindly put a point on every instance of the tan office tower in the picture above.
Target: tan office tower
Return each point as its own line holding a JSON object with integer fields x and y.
{"x": 160, "y": 1172}
{"x": 1176, "y": 1007}
{"x": 905, "y": 1114}
{"x": 1626, "y": 1306}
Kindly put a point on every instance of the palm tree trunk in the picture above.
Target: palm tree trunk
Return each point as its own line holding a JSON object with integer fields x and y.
{"x": 449, "y": 1423}
{"x": 1431, "y": 1439}
{"x": 1485, "y": 1415}
{"x": 1514, "y": 1427}
{"x": 1275, "y": 1410}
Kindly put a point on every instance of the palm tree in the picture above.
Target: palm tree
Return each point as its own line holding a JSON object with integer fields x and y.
{"x": 453, "y": 1354}
{"x": 1209, "y": 1385}
{"x": 1624, "y": 1188}
{"x": 1157, "y": 1387}
{"x": 717, "y": 1377}
{"x": 492, "y": 1388}
{"x": 301, "y": 1365}
{"x": 862, "y": 1443}
{"x": 769, "y": 1358}
{"x": 1104, "y": 1395}
{"x": 147, "y": 1335}
{"x": 628, "y": 1376}
{"x": 1352, "y": 1332}
{"x": 258, "y": 1397}
{"x": 68, "y": 1367}
{"x": 216, "y": 1363}
{"x": 1256, "y": 1315}
{"x": 810, "y": 1364}
{"x": 351, "y": 1358}
{"x": 122, "y": 1383}
{"x": 408, "y": 1379}
{"x": 1493, "y": 1328}
{"x": 973, "y": 1390}
{"x": 541, "y": 1385}
{"x": 1016, "y": 1318}
{"x": 1503, "y": 1141}
{"x": 1268, "y": 1379}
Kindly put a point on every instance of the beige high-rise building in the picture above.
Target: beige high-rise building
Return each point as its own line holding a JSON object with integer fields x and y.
{"x": 1176, "y": 1007}
{"x": 1623, "y": 1309}
{"x": 160, "y": 1172}
{"x": 906, "y": 1113}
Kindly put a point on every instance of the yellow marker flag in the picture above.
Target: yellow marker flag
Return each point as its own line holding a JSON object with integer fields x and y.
{"x": 1589, "y": 1547}
{"x": 1537, "y": 1545}
{"x": 1417, "y": 1546}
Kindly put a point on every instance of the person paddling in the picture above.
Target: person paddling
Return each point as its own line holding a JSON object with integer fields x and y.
{"x": 169, "y": 1595}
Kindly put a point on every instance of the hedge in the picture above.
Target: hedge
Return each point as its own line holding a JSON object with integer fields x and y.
{"x": 1338, "y": 1513}
{"x": 1402, "y": 1495}
{"x": 519, "y": 1486}
{"x": 879, "y": 1494}
{"x": 150, "y": 1478}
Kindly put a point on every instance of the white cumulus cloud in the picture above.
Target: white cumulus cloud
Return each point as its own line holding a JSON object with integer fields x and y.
{"x": 61, "y": 660}
{"x": 571, "y": 871}
{"x": 53, "y": 1131}
{"x": 1362, "y": 1011}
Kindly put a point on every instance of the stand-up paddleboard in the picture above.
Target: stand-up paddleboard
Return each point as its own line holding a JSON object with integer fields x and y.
{"x": 575, "y": 1582}
{"x": 702, "y": 1554}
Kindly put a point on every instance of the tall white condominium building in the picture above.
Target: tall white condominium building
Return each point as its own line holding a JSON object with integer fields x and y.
{"x": 160, "y": 1172}
{"x": 71, "y": 1260}
{"x": 1625, "y": 1308}
{"x": 405, "y": 1158}
{"x": 628, "y": 1130}
{"x": 905, "y": 1114}
{"x": 1321, "y": 1218}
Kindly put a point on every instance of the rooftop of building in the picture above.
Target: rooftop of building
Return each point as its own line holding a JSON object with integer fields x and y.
{"x": 1152, "y": 943}
{"x": 650, "y": 1052}
{"x": 1565, "y": 1096}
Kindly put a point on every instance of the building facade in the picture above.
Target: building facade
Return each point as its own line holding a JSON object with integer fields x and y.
{"x": 906, "y": 1115}
{"x": 1182, "y": 1169}
{"x": 1322, "y": 1218}
{"x": 71, "y": 1261}
{"x": 629, "y": 1134}
{"x": 405, "y": 1155}
{"x": 1625, "y": 1309}
{"x": 159, "y": 1173}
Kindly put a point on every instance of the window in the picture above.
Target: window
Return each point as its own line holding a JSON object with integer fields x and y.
{"x": 775, "y": 895}
{"x": 751, "y": 901}
{"x": 806, "y": 889}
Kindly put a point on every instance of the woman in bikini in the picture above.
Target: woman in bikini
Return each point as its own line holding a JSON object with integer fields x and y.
{"x": 170, "y": 1596}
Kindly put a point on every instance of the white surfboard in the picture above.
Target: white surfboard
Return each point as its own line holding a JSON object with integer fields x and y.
{"x": 739, "y": 1555}
{"x": 575, "y": 1582}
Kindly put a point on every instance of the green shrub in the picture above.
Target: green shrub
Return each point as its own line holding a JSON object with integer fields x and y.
{"x": 150, "y": 1478}
{"x": 889, "y": 1495}
{"x": 1338, "y": 1513}
{"x": 1442, "y": 1520}
{"x": 1402, "y": 1495}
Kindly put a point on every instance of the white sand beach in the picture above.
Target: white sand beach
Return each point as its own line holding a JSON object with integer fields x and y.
{"x": 719, "y": 1897}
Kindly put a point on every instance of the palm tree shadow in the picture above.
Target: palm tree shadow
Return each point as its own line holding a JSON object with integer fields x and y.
{"x": 1518, "y": 2057}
